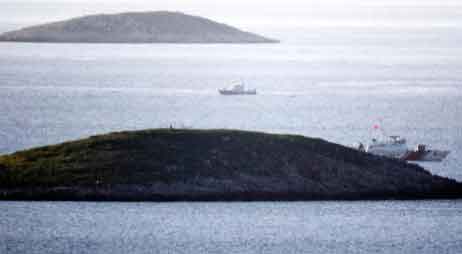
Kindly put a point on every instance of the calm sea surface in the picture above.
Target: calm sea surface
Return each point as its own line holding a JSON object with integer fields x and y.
{"x": 333, "y": 84}
{"x": 272, "y": 227}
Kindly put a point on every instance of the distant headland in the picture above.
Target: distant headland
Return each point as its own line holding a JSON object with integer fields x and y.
{"x": 135, "y": 27}
{"x": 211, "y": 165}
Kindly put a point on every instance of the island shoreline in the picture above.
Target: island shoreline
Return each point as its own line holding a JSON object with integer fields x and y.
{"x": 212, "y": 165}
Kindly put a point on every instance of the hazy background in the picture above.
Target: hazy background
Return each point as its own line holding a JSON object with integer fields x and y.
{"x": 265, "y": 16}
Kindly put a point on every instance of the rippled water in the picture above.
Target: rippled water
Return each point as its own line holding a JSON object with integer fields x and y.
{"x": 266, "y": 227}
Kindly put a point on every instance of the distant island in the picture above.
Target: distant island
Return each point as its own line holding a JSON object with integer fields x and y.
{"x": 135, "y": 27}
{"x": 211, "y": 165}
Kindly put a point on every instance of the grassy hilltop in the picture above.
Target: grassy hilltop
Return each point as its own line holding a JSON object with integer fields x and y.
{"x": 178, "y": 164}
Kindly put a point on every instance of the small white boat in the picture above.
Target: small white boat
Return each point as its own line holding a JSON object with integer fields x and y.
{"x": 396, "y": 147}
{"x": 237, "y": 89}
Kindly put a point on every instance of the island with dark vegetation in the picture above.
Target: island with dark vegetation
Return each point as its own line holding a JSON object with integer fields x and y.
{"x": 211, "y": 165}
{"x": 135, "y": 27}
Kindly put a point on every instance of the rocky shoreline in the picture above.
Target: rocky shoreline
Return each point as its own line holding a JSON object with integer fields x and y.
{"x": 211, "y": 165}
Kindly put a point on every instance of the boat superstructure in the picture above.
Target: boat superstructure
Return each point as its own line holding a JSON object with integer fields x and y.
{"x": 237, "y": 89}
{"x": 391, "y": 146}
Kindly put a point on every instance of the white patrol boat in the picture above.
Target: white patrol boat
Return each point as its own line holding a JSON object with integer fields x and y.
{"x": 396, "y": 147}
{"x": 237, "y": 89}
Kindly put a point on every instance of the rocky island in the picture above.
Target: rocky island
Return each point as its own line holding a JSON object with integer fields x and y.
{"x": 135, "y": 27}
{"x": 211, "y": 165}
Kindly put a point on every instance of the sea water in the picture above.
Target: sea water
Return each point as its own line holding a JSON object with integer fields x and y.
{"x": 423, "y": 227}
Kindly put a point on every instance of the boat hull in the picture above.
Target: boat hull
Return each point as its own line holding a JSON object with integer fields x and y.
{"x": 391, "y": 151}
{"x": 428, "y": 155}
{"x": 226, "y": 92}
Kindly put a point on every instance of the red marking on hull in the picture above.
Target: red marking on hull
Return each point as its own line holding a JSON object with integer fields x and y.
{"x": 413, "y": 156}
